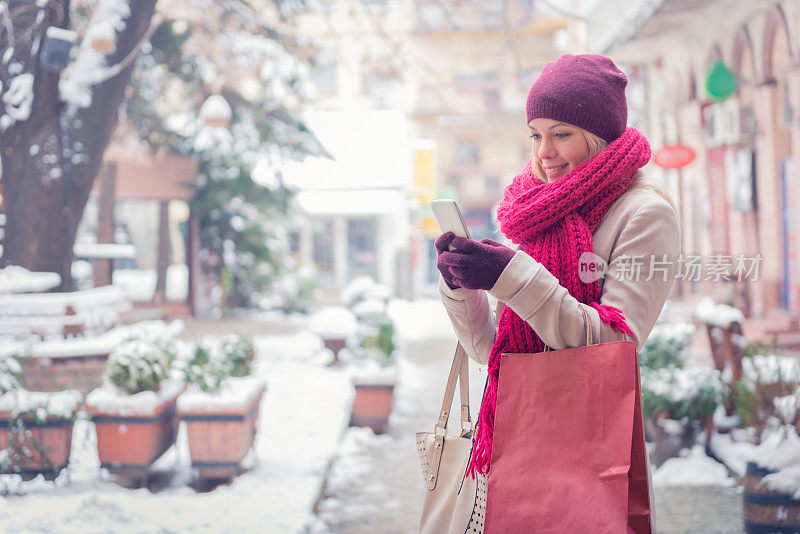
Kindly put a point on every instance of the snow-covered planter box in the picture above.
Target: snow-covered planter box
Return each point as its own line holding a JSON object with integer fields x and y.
{"x": 771, "y": 497}
{"x": 334, "y": 325}
{"x": 36, "y": 432}
{"x": 133, "y": 431}
{"x": 221, "y": 426}
{"x": 134, "y": 410}
{"x": 373, "y": 399}
{"x": 221, "y": 406}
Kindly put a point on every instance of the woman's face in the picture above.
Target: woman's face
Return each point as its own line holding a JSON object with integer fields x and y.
{"x": 557, "y": 146}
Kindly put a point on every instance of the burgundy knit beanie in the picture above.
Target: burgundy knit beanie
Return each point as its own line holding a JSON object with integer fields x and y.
{"x": 586, "y": 91}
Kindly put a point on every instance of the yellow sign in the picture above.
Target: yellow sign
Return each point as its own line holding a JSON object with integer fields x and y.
{"x": 425, "y": 174}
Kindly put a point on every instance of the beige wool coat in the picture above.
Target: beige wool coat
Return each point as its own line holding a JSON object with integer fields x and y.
{"x": 639, "y": 241}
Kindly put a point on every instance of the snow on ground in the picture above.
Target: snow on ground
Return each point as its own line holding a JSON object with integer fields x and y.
{"x": 735, "y": 454}
{"x": 302, "y": 418}
{"x": 694, "y": 469}
{"x": 420, "y": 319}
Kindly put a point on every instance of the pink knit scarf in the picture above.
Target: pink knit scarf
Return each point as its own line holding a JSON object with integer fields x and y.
{"x": 554, "y": 222}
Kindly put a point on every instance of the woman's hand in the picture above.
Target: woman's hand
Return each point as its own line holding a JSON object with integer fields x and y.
{"x": 472, "y": 264}
{"x": 442, "y": 244}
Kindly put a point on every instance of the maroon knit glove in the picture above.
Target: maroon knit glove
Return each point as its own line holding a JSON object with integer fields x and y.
{"x": 442, "y": 244}
{"x": 476, "y": 265}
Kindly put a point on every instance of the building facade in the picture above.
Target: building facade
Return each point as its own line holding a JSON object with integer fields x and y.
{"x": 739, "y": 197}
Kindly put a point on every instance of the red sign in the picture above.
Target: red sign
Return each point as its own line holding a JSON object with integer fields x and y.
{"x": 674, "y": 156}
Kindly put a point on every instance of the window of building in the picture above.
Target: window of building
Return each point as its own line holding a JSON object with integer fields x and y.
{"x": 323, "y": 250}
{"x": 467, "y": 154}
{"x": 362, "y": 248}
{"x": 323, "y": 75}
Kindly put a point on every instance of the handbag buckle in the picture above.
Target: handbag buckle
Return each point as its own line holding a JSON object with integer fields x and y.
{"x": 467, "y": 430}
{"x": 436, "y": 429}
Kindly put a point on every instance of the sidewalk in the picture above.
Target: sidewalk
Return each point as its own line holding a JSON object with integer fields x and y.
{"x": 375, "y": 483}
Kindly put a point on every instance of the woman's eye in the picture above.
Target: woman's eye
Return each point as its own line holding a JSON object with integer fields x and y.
{"x": 562, "y": 135}
{"x": 536, "y": 136}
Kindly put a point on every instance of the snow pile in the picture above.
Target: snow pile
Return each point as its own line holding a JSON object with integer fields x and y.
{"x": 780, "y": 452}
{"x": 18, "y": 100}
{"x": 111, "y": 400}
{"x": 376, "y": 377}
{"x": 90, "y": 67}
{"x": 15, "y": 279}
{"x": 303, "y": 346}
{"x": 333, "y": 322}
{"x": 215, "y": 107}
{"x": 735, "y": 454}
{"x": 694, "y": 469}
{"x": 155, "y": 331}
{"x": 720, "y": 315}
{"x": 421, "y": 319}
{"x": 62, "y": 404}
{"x": 677, "y": 385}
{"x": 234, "y": 392}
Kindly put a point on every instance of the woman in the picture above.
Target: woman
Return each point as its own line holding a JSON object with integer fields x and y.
{"x": 579, "y": 203}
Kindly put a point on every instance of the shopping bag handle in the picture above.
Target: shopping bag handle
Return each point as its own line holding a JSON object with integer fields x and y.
{"x": 458, "y": 371}
{"x": 587, "y": 323}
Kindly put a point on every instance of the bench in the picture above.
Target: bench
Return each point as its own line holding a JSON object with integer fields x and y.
{"x": 27, "y": 316}
{"x": 726, "y": 339}
{"x": 62, "y": 340}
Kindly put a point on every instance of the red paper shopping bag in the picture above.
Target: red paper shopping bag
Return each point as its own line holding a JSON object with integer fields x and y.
{"x": 568, "y": 449}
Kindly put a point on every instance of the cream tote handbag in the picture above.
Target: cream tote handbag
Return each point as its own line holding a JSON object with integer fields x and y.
{"x": 451, "y": 503}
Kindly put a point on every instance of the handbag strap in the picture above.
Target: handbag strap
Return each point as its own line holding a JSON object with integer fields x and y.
{"x": 458, "y": 371}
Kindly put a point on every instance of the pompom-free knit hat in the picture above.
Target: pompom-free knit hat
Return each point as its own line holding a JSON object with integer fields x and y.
{"x": 586, "y": 91}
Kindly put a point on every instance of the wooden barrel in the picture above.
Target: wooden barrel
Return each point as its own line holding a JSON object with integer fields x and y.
{"x": 767, "y": 511}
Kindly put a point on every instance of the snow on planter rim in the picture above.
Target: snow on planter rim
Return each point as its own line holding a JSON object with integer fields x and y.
{"x": 111, "y": 400}
{"x": 234, "y": 393}
{"x": 57, "y": 404}
{"x": 378, "y": 377}
{"x": 333, "y": 322}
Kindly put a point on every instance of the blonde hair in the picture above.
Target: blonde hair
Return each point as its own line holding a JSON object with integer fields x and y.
{"x": 596, "y": 145}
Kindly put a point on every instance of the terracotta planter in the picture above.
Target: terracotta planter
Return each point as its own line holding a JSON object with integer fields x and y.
{"x": 49, "y": 445}
{"x": 220, "y": 438}
{"x": 128, "y": 445}
{"x": 372, "y": 404}
{"x": 765, "y": 510}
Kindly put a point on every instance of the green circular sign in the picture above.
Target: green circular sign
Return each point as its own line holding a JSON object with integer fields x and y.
{"x": 720, "y": 82}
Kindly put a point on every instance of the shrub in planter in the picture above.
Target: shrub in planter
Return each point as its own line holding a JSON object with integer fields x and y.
{"x": 134, "y": 410}
{"x": 765, "y": 378}
{"x": 35, "y": 427}
{"x": 666, "y": 346}
{"x": 374, "y": 340}
{"x": 678, "y": 403}
{"x": 221, "y": 406}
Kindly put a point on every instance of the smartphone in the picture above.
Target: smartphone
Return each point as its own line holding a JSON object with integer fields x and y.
{"x": 449, "y": 218}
